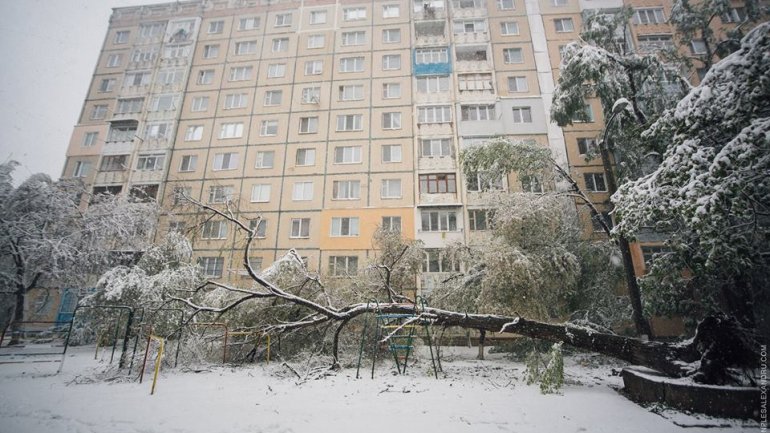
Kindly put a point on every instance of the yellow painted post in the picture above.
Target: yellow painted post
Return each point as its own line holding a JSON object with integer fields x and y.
{"x": 157, "y": 363}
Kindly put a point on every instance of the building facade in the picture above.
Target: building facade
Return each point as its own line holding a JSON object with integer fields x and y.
{"x": 322, "y": 120}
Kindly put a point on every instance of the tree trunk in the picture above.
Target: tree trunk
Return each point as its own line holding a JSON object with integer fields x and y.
{"x": 482, "y": 337}
{"x": 18, "y": 317}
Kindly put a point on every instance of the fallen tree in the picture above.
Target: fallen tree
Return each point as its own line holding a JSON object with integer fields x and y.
{"x": 720, "y": 342}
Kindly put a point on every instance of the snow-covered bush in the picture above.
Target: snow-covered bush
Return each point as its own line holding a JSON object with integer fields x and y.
{"x": 549, "y": 373}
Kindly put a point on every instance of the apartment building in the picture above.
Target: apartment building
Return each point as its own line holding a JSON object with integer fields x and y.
{"x": 321, "y": 120}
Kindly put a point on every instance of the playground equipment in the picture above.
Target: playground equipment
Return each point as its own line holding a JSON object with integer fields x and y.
{"x": 161, "y": 345}
{"x": 399, "y": 332}
{"x": 33, "y": 341}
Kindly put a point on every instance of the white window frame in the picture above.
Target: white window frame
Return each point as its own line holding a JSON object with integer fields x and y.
{"x": 434, "y": 114}
{"x": 391, "y": 153}
{"x": 316, "y": 41}
{"x": 509, "y": 28}
{"x": 205, "y": 77}
{"x": 391, "y": 36}
{"x": 354, "y": 13}
{"x": 311, "y": 95}
{"x": 391, "y": 120}
{"x": 390, "y": 189}
{"x": 276, "y": 70}
{"x": 318, "y": 17}
{"x": 314, "y": 67}
{"x": 283, "y": 19}
{"x": 591, "y": 184}
{"x": 220, "y": 193}
{"x": 391, "y": 62}
{"x": 563, "y": 25}
{"x": 211, "y": 51}
{"x": 346, "y": 190}
{"x": 265, "y": 159}
{"x": 520, "y": 84}
{"x": 353, "y": 38}
{"x": 216, "y": 27}
{"x": 305, "y": 157}
{"x": 214, "y": 229}
{"x": 81, "y": 169}
{"x": 199, "y": 103}
{"x": 513, "y": 56}
{"x": 249, "y": 23}
{"x": 273, "y": 97}
{"x": 522, "y": 114}
{"x": 89, "y": 139}
{"x": 308, "y": 125}
{"x": 350, "y": 122}
{"x": 437, "y": 147}
{"x": 280, "y": 45}
{"x": 225, "y": 161}
{"x": 231, "y": 130}
{"x": 235, "y": 100}
{"x": 188, "y": 163}
{"x": 347, "y": 154}
{"x": 260, "y": 192}
{"x": 352, "y": 64}
{"x": 391, "y": 90}
{"x": 194, "y": 133}
{"x": 212, "y": 267}
{"x": 240, "y": 73}
{"x": 302, "y": 191}
{"x": 268, "y": 128}
{"x": 391, "y": 11}
{"x": 351, "y": 92}
{"x": 345, "y": 227}
{"x": 300, "y": 228}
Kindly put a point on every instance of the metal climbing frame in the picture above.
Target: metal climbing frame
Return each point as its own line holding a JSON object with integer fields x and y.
{"x": 126, "y": 336}
{"x": 401, "y": 329}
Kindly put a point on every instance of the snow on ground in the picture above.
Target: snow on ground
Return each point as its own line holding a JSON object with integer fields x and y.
{"x": 471, "y": 396}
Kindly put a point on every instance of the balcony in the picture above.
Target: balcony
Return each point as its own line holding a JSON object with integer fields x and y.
{"x": 439, "y": 199}
{"x": 430, "y": 129}
{"x": 135, "y": 90}
{"x": 439, "y": 239}
{"x": 472, "y": 38}
{"x": 142, "y": 176}
{"x": 433, "y": 98}
{"x": 110, "y": 177}
{"x": 469, "y": 9}
{"x": 437, "y": 163}
{"x": 429, "y": 10}
{"x": 473, "y": 66}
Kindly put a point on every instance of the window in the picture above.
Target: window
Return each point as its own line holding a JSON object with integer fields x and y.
{"x": 559, "y": 3}
{"x": 145, "y": 55}
{"x": 318, "y": 17}
{"x": 314, "y": 67}
{"x": 150, "y": 30}
{"x": 478, "y": 112}
{"x": 308, "y": 125}
{"x": 236, "y": 100}
{"x": 265, "y": 159}
{"x": 180, "y": 195}
{"x": 346, "y": 190}
{"x": 439, "y": 221}
{"x": 170, "y": 77}
{"x": 505, "y": 4}
{"x": 350, "y": 14}
{"x": 517, "y": 84}
{"x": 513, "y": 55}
{"x": 220, "y": 194}
{"x": 121, "y": 37}
{"x": 391, "y": 120}
{"x": 587, "y": 115}
{"x": 532, "y": 184}
{"x": 311, "y": 95}
{"x": 130, "y": 105}
{"x": 438, "y": 183}
{"x": 89, "y": 139}
{"x": 216, "y": 27}
{"x": 435, "y": 147}
{"x": 344, "y": 226}
{"x": 141, "y": 78}
{"x": 157, "y": 130}
{"x": 113, "y": 61}
{"x": 522, "y": 115}
{"x": 649, "y": 252}
{"x": 563, "y": 25}
{"x": 353, "y": 92}
{"x": 391, "y": 62}
{"x": 391, "y": 11}
{"x": 424, "y": 56}
{"x": 194, "y": 133}
{"x": 595, "y": 182}
{"x": 214, "y": 230}
{"x": 188, "y": 163}
{"x": 98, "y": 112}
{"x": 114, "y": 163}
{"x": 212, "y": 266}
{"x": 260, "y": 193}
{"x": 210, "y": 51}
{"x": 347, "y": 154}
{"x": 433, "y": 84}
{"x": 163, "y": 103}
{"x": 351, "y": 64}
{"x": 391, "y": 223}
{"x": 391, "y": 36}
{"x": 240, "y": 73}
{"x": 200, "y": 103}
{"x": 391, "y": 153}
{"x": 268, "y": 128}
{"x": 122, "y": 132}
{"x": 349, "y": 122}
{"x": 479, "y": 219}
{"x": 225, "y": 161}
{"x": 434, "y": 114}
{"x": 649, "y": 16}
{"x": 246, "y": 47}
{"x": 471, "y": 26}
{"x": 107, "y": 85}
{"x": 316, "y": 41}
{"x": 302, "y": 191}
{"x": 587, "y": 146}
{"x": 280, "y": 45}
{"x": 231, "y": 130}
{"x": 438, "y": 261}
{"x": 479, "y": 182}
{"x": 734, "y": 15}
{"x": 260, "y": 225}
{"x": 273, "y": 97}
{"x": 276, "y": 70}
{"x": 283, "y": 20}
{"x": 698, "y": 46}
{"x": 81, "y": 169}
{"x": 300, "y": 228}
{"x": 652, "y": 43}
{"x": 509, "y": 28}
{"x": 391, "y": 90}
{"x": 341, "y": 266}
{"x": 248, "y": 23}
{"x": 353, "y": 38}
{"x": 390, "y": 188}
{"x": 305, "y": 157}
{"x": 150, "y": 162}
{"x": 206, "y": 76}
{"x": 474, "y": 53}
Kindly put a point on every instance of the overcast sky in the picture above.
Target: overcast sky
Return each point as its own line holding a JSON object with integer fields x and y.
{"x": 49, "y": 50}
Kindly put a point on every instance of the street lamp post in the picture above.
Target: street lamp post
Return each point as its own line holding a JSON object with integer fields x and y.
{"x": 634, "y": 293}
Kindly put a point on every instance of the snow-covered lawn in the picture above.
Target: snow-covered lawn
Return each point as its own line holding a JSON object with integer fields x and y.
{"x": 472, "y": 396}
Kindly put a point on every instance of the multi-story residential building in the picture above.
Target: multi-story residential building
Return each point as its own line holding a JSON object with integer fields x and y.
{"x": 322, "y": 120}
